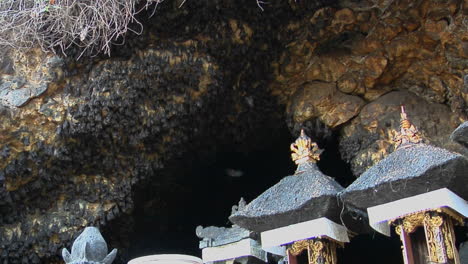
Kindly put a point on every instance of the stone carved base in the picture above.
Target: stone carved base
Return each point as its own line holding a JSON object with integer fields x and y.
{"x": 89, "y": 247}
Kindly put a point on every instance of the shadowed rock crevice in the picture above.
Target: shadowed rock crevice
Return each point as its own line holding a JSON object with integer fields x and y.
{"x": 167, "y": 211}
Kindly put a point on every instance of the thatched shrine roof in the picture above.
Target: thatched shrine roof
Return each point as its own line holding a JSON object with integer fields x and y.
{"x": 306, "y": 195}
{"x": 407, "y": 172}
{"x": 414, "y": 168}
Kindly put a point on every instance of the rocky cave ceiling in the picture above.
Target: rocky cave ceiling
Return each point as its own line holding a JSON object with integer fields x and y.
{"x": 207, "y": 85}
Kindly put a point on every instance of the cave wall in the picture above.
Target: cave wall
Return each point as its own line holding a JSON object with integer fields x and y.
{"x": 351, "y": 66}
{"x": 77, "y": 137}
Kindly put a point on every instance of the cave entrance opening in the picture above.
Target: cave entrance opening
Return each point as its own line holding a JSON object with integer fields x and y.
{"x": 200, "y": 189}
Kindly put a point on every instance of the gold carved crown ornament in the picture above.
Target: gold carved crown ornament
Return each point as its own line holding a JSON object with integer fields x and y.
{"x": 408, "y": 134}
{"x": 304, "y": 150}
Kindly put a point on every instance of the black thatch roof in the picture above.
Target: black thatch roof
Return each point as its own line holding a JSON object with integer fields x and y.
{"x": 460, "y": 134}
{"x": 306, "y": 195}
{"x": 409, "y": 171}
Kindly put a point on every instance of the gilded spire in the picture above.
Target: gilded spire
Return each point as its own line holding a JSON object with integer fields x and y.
{"x": 409, "y": 134}
{"x": 303, "y": 150}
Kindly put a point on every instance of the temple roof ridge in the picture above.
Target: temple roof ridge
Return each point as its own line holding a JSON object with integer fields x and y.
{"x": 304, "y": 150}
{"x": 409, "y": 134}
{"x": 306, "y": 195}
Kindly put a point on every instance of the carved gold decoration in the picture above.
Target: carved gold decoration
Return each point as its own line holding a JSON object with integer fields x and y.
{"x": 440, "y": 238}
{"x": 323, "y": 252}
{"x": 435, "y": 238}
{"x": 438, "y": 228}
{"x": 330, "y": 253}
{"x": 305, "y": 150}
{"x": 410, "y": 223}
{"x": 319, "y": 251}
{"x": 408, "y": 132}
{"x": 413, "y": 220}
{"x": 315, "y": 252}
{"x": 447, "y": 231}
{"x": 398, "y": 229}
{"x": 455, "y": 216}
{"x": 297, "y": 247}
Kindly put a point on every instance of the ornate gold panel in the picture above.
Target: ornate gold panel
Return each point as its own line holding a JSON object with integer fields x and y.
{"x": 435, "y": 238}
{"x": 410, "y": 222}
{"x": 297, "y": 247}
{"x": 319, "y": 251}
{"x": 438, "y": 228}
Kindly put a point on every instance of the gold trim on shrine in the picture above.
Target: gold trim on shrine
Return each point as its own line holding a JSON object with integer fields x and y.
{"x": 319, "y": 251}
{"x": 304, "y": 150}
{"x": 439, "y": 233}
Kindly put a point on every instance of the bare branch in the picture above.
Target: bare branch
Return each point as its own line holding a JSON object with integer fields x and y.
{"x": 181, "y": 4}
{"x": 260, "y": 3}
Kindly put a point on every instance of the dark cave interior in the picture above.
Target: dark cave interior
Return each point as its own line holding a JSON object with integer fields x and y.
{"x": 201, "y": 191}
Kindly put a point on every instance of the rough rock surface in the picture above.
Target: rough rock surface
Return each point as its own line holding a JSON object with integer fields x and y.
{"x": 77, "y": 137}
{"x": 368, "y": 49}
{"x": 460, "y": 135}
{"x": 370, "y": 136}
{"x": 33, "y": 72}
{"x": 324, "y": 101}
{"x": 72, "y": 157}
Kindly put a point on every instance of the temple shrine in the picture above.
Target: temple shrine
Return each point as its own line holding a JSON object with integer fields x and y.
{"x": 418, "y": 192}
{"x": 300, "y": 213}
{"x": 418, "y": 189}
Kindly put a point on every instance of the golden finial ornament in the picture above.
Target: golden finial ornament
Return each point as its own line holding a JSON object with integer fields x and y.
{"x": 408, "y": 132}
{"x": 304, "y": 150}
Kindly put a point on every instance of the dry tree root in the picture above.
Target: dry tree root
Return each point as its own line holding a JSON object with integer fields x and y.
{"x": 56, "y": 25}
{"x": 93, "y": 25}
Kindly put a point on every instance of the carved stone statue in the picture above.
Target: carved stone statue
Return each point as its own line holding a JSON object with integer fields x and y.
{"x": 210, "y": 232}
{"x": 238, "y": 207}
{"x": 89, "y": 248}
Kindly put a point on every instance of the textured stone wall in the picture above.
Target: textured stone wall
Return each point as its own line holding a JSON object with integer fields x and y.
{"x": 351, "y": 66}
{"x": 71, "y": 157}
{"x": 77, "y": 136}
